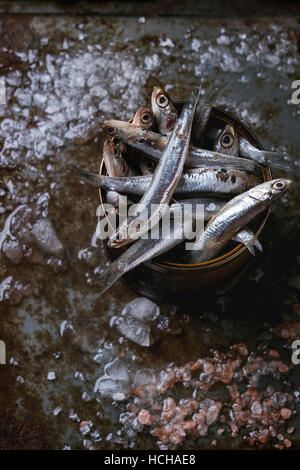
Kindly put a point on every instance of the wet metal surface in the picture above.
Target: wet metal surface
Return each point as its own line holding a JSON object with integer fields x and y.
{"x": 63, "y": 76}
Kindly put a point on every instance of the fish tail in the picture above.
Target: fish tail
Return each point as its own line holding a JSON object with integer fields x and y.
{"x": 195, "y": 97}
{"x": 258, "y": 244}
{"x": 252, "y": 244}
{"x": 109, "y": 276}
{"x": 213, "y": 94}
{"x": 275, "y": 160}
{"x": 251, "y": 249}
{"x": 86, "y": 176}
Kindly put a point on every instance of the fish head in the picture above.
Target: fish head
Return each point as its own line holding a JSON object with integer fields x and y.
{"x": 147, "y": 166}
{"x": 120, "y": 144}
{"x": 122, "y": 129}
{"x": 109, "y": 129}
{"x": 228, "y": 141}
{"x": 144, "y": 118}
{"x": 270, "y": 190}
{"x": 163, "y": 109}
{"x": 115, "y": 163}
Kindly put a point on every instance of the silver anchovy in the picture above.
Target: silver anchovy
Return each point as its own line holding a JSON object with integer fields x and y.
{"x": 166, "y": 176}
{"x": 228, "y": 143}
{"x": 235, "y": 215}
{"x": 215, "y": 182}
{"x": 153, "y": 144}
{"x": 210, "y": 208}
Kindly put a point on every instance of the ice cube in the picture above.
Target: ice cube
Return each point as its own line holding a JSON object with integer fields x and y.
{"x": 135, "y": 330}
{"x": 144, "y": 377}
{"x": 45, "y": 237}
{"x": 142, "y": 308}
{"x": 117, "y": 390}
{"x": 117, "y": 370}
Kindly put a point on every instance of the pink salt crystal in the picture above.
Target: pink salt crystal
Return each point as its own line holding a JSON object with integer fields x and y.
{"x": 188, "y": 425}
{"x": 199, "y": 418}
{"x": 208, "y": 367}
{"x": 256, "y": 408}
{"x": 283, "y": 368}
{"x": 212, "y": 414}
{"x": 236, "y": 363}
{"x": 278, "y": 446}
{"x": 193, "y": 404}
{"x": 241, "y": 348}
{"x": 180, "y": 413}
{"x": 234, "y": 428}
{"x": 186, "y": 375}
{"x": 224, "y": 372}
{"x": 273, "y": 354}
{"x": 287, "y": 443}
{"x": 176, "y": 438}
{"x": 202, "y": 429}
{"x": 286, "y": 413}
{"x": 161, "y": 433}
{"x": 263, "y": 436}
{"x": 145, "y": 417}
{"x": 169, "y": 407}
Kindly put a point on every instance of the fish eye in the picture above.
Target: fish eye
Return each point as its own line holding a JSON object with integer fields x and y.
{"x": 162, "y": 101}
{"x": 111, "y": 130}
{"x": 278, "y": 185}
{"x": 116, "y": 151}
{"x": 146, "y": 118}
{"x": 227, "y": 140}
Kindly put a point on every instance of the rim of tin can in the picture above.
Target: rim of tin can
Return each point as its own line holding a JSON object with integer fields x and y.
{"x": 221, "y": 115}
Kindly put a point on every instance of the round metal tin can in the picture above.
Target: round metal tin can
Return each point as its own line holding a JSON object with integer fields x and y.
{"x": 173, "y": 282}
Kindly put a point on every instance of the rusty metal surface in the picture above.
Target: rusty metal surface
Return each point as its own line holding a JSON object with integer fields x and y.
{"x": 63, "y": 75}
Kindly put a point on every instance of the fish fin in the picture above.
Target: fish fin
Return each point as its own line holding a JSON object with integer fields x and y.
{"x": 108, "y": 276}
{"x": 86, "y": 176}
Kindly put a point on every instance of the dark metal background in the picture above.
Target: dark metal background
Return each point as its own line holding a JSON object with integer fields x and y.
{"x": 46, "y": 49}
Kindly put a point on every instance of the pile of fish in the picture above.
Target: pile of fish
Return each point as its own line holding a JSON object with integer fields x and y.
{"x": 160, "y": 161}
